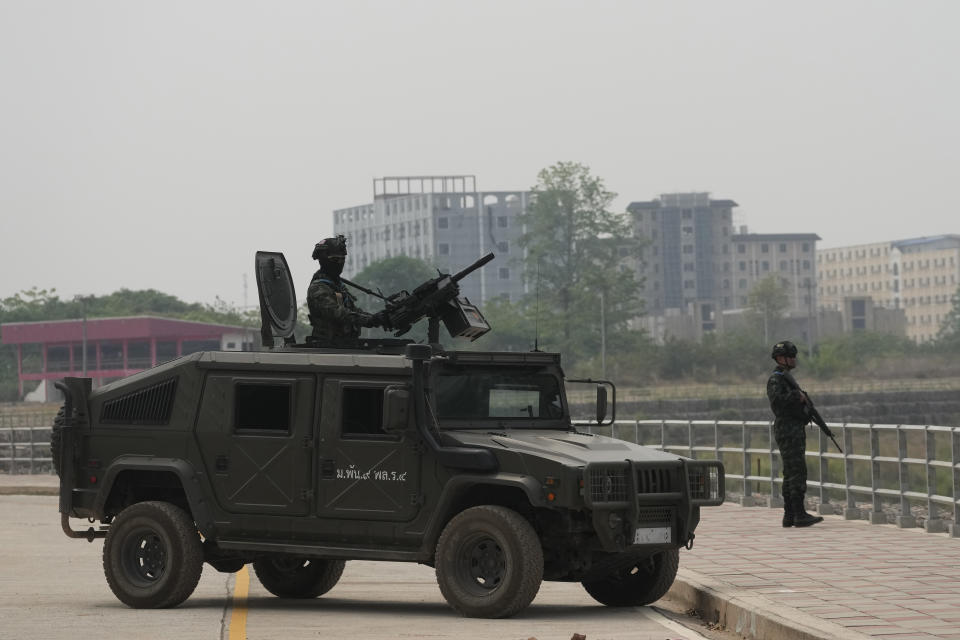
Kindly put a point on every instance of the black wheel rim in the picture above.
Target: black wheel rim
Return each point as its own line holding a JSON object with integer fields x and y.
{"x": 481, "y": 565}
{"x": 144, "y": 557}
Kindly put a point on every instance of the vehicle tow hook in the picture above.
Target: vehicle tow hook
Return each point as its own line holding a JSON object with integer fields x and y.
{"x": 90, "y": 534}
{"x": 689, "y": 544}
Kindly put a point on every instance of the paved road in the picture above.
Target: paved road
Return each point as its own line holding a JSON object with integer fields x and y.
{"x": 53, "y": 587}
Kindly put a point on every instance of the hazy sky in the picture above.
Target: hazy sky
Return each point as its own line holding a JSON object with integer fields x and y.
{"x": 160, "y": 144}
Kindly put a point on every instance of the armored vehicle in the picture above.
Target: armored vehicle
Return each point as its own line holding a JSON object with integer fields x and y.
{"x": 299, "y": 458}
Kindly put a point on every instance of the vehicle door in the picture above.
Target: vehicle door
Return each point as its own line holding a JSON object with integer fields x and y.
{"x": 365, "y": 473}
{"x": 255, "y": 433}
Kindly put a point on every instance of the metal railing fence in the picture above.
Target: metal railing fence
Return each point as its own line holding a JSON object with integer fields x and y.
{"x": 25, "y": 450}
{"x": 913, "y": 470}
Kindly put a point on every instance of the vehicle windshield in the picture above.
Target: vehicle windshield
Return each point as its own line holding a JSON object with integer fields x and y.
{"x": 475, "y": 393}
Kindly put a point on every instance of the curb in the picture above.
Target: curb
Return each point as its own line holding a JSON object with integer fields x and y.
{"x": 29, "y": 491}
{"x": 752, "y": 616}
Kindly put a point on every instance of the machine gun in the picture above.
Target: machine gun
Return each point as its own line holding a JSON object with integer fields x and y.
{"x": 811, "y": 410}
{"x": 436, "y": 299}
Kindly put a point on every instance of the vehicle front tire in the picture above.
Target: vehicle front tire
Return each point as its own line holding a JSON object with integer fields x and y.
{"x": 152, "y": 556}
{"x": 489, "y": 562}
{"x": 298, "y": 577}
{"x": 640, "y": 584}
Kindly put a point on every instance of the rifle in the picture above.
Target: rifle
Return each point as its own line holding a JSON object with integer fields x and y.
{"x": 811, "y": 410}
{"x": 436, "y": 299}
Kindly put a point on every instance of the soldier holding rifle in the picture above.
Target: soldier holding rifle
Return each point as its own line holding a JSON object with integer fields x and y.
{"x": 792, "y": 410}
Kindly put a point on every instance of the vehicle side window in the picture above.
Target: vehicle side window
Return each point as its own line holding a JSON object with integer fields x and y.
{"x": 263, "y": 408}
{"x": 362, "y": 411}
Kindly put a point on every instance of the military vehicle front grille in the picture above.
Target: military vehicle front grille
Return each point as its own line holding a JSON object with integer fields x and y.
{"x": 648, "y": 515}
{"x": 608, "y": 485}
{"x": 150, "y": 405}
{"x": 653, "y": 480}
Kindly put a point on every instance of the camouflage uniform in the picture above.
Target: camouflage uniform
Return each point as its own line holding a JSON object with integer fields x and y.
{"x": 334, "y": 314}
{"x": 789, "y": 429}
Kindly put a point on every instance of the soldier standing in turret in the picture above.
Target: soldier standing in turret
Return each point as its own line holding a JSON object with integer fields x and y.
{"x": 789, "y": 406}
{"x": 334, "y": 315}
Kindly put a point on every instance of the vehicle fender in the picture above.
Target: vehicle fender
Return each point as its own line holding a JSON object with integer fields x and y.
{"x": 189, "y": 477}
{"x": 458, "y": 485}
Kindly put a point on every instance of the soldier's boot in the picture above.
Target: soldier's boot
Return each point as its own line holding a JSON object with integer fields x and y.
{"x": 788, "y": 511}
{"x": 800, "y": 516}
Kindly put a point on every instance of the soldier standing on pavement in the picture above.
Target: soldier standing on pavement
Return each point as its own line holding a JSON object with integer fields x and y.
{"x": 334, "y": 315}
{"x": 791, "y": 412}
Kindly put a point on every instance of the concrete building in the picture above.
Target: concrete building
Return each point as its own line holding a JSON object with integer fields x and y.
{"x": 918, "y": 275}
{"x": 688, "y": 259}
{"x": 444, "y": 221}
{"x": 115, "y": 347}
{"x": 696, "y": 268}
{"x": 791, "y": 257}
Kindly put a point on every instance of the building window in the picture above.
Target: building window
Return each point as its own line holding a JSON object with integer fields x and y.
{"x": 688, "y": 284}
{"x": 688, "y": 266}
{"x": 764, "y": 248}
{"x": 742, "y": 284}
{"x": 783, "y": 265}
{"x": 443, "y": 249}
{"x": 783, "y": 247}
{"x": 504, "y": 273}
{"x": 766, "y": 266}
{"x": 502, "y": 222}
{"x": 743, "y": 266}
{"x": 806, "y": 264}
{"x": 688, "y": 248}
{"x": 741, "y": 248}
{"x": 503, "y": 246}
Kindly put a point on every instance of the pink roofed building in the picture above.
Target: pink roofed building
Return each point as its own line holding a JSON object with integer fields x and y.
{"x": 115, "y": 347}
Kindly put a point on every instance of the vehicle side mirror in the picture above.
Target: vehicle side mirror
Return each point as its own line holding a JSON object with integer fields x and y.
{"x": 396, "y": 409}
{"x": 601, "y": 403}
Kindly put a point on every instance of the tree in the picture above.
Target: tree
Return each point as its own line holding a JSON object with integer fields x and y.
{"x": 949, "y": 334}
{"x": 574, "y": 246}
{"x": 768, "y": 301}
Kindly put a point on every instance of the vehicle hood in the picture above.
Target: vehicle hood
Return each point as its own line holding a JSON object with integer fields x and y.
{"x": 565, "y": 447}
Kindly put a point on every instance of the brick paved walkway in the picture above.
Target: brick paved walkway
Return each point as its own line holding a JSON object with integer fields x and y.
{"x": 876, "y": 580}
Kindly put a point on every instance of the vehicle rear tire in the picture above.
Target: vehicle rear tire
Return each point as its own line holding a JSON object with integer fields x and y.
{"x": 489, "y": 562}
{"x": 641, "y": 584}
{"x": 298, "y": 577}
{"x": 152, "y": 556}
{"x": 56, "y": 439}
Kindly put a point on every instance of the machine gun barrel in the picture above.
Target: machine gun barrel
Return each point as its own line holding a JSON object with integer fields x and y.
{"x": 460, "y": 275}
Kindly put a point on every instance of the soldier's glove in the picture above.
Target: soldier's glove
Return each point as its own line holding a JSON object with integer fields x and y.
{"x": 382, "y": 319}
{"x": 364, "y": 319}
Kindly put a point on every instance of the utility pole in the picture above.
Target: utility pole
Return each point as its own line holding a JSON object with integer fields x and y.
{"x": 809, "y": 286}
{"x": 603, "y": 339}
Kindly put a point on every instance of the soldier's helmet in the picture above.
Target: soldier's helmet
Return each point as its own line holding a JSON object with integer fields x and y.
{"x": 330, "y": 248}
{"x": 785, "y": 348}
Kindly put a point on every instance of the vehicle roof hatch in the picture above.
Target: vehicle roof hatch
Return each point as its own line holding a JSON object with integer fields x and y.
{"x": 278, "y": 301}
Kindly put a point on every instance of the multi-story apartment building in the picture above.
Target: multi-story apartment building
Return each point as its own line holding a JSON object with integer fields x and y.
{"x": 918, "y": 275}
{"x": 791, "y": 257}
{"x": 688, "y": 257}
{"x": 695, "y": 257}
{"x": 445, "y": 221}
